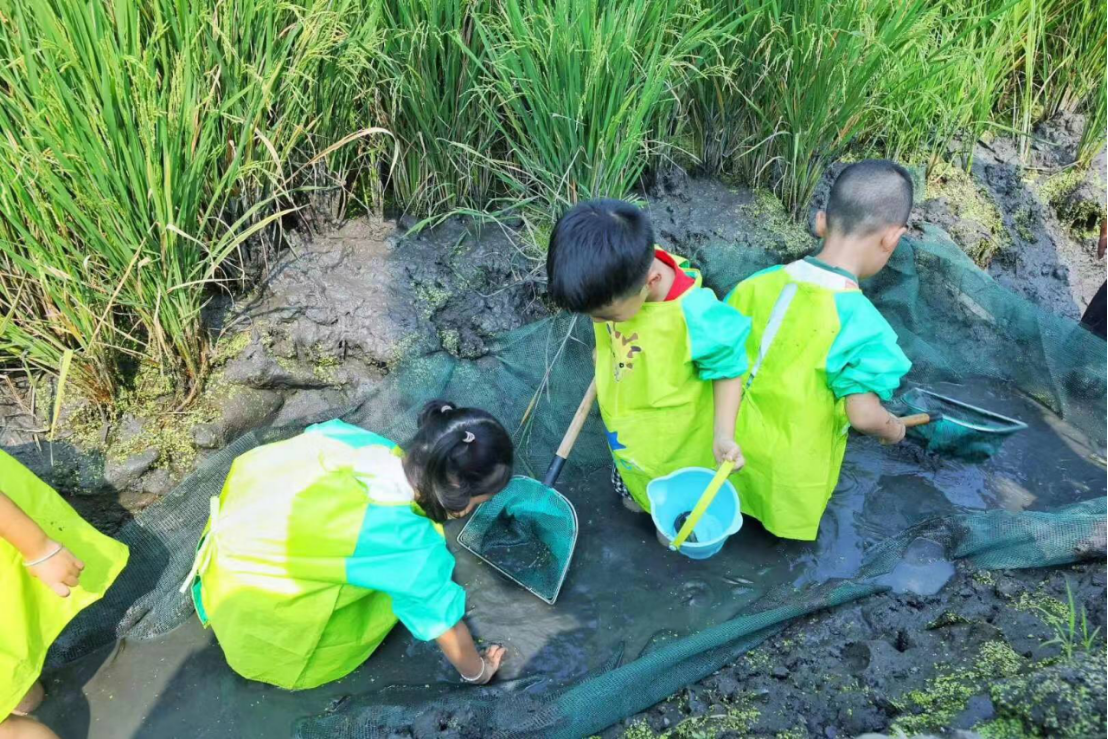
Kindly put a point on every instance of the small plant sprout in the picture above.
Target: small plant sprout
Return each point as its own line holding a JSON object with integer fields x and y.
{"x": 1071, "y": 632}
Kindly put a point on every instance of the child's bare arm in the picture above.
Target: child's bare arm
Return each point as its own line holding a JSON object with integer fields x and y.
{"x": 869, "y": 417}
{"x": 457, "y": 644}
{"x": 46, "y": 559}
{"x": 728, "y": 394}
{"x": 20, "y": 531}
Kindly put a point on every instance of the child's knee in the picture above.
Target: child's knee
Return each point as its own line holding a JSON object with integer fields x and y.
{"x": 32, "y": 700}
{"x": 24, "y": 727}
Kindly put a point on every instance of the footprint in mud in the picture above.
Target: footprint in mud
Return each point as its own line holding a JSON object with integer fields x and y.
{"x": 923, "y": 569}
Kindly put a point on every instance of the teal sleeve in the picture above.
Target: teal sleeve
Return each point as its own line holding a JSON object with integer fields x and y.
{"x": 401, "y": 553}
{"x": 864, "y": 358}
{"x": 348, "y": 433}
{"x": 717, "y": 335}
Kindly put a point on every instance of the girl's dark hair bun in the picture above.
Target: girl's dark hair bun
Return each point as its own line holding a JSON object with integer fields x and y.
{"x": 456, "y": 455}
{"x": 435, "y": 408}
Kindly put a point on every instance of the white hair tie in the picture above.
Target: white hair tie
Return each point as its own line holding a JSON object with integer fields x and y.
{"x": 469, "y": 438}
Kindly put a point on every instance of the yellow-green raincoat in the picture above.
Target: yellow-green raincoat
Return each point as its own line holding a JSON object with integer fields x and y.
{"x": 313, "y": 551}
{"x": 31, "y": 614}
{"x": 654, "y": 378}
{"x": 816, "y": 339}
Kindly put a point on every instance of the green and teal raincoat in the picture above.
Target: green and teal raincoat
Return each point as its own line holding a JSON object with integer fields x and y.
{"x": 816, "y": 339}
{"x": 31, "y": 614}
{"x": 654, "y": 378}
{"x": 313, "y": 551}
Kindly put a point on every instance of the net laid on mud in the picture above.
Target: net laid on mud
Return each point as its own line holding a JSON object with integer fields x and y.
{"x": 634, "y": 623}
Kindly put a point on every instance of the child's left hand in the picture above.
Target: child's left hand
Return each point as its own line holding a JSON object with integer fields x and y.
{"x": 726, "y": 449}
{"x": 60, "y": 571}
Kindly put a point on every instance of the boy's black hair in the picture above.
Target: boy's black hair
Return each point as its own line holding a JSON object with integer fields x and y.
{"x": 869, "y": 195}
{"x": 600, "y": 251}
{"x": 446, "y": 470}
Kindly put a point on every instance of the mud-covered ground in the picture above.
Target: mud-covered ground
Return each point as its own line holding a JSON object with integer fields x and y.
{"x": 343, "y": 305}
{"x": 980, "y": 656}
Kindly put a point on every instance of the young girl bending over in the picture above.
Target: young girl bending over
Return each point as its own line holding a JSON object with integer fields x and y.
{"x": 319, "y": 544}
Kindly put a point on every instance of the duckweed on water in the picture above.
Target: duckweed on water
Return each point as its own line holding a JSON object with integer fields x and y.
{"x": 936, "y": 705}
{"x": 789, "y": 237}
{"x": 638, "y": 730}
{"x": 967, "y": 201}
{"x": 737, "y": 719}
{"x": 1003, "y": 728}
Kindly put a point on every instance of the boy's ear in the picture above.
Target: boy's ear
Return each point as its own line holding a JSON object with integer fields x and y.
{"x": 892, "y": 238}
{"x": 821, "y": 224}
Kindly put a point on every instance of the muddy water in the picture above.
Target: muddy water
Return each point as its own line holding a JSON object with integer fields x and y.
{"x": 624, "y": 593}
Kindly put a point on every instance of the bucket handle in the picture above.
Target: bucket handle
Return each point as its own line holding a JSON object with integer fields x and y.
{"x": 706, "y": 499}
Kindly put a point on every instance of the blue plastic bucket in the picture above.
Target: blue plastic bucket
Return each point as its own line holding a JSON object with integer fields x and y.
{"x": 677, "y": 493}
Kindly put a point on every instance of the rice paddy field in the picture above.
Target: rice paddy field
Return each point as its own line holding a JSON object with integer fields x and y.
{"x": 152, "y": 150}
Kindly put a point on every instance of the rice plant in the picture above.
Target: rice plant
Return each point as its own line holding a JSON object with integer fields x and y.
{"x": 580, "y": 89}
{"x": 150, "y": 148}
{"x": 143, "y": 145}
{"x": 1095, "y": 134}
{"x": 433, "y": 106}
{"x": 807, "y": 79}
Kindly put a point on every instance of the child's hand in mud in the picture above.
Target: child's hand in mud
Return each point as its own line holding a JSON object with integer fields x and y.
{"x": 60, "y": 571}
{"x": 726, "y": 449}
{"x": 492, "y": 658}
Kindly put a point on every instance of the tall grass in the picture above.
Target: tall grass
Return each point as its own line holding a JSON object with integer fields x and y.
{"x": 148, "y": 147}
{"x": 431, "y": 102}
{"x": 582, "y": 89}
{"x": 144, "y": 144}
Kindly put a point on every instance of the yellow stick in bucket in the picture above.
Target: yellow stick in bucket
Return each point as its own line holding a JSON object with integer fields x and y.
{"x": 706, "y": 499}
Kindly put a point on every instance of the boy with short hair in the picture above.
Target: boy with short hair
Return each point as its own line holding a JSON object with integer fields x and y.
{"x": 822, "y": 357}
{"x": 669, "y": 354}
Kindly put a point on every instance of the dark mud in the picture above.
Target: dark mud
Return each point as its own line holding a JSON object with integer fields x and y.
{"x": 1052, "y": 218}
{"x": 975, "y": 656}
{"x": 626, "y": 595}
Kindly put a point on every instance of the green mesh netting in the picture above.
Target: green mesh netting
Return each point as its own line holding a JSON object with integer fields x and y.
{"x": 961, "y": 429}
{"x": 634, "y": 623}
{"x": 527, "y": 533}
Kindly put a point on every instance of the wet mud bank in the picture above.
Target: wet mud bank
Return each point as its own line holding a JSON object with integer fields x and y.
{"x": 979, "y": 656}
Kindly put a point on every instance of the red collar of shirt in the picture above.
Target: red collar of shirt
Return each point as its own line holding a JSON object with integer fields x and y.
{"x": 681, "y": 281}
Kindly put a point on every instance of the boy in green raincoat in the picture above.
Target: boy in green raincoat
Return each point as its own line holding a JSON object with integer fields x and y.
{"x": 669, "y": 354}
{"x": 822, "y": 358}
